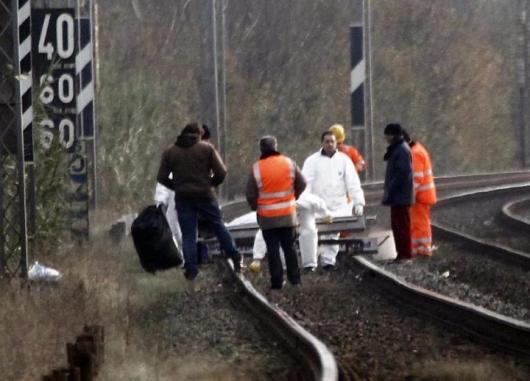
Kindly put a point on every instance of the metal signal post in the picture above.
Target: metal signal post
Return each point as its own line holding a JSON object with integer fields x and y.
{"x": 16, "y": 146}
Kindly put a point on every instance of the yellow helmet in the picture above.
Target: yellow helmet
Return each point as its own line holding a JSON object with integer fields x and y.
{"x": 338, "y": 131}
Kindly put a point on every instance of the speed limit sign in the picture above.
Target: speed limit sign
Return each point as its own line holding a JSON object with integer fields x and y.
{"x": 54, "y": 51}
{"x": 57, "y": 60}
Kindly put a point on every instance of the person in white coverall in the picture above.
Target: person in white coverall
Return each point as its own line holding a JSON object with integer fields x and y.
{"x": 330, "y": 175}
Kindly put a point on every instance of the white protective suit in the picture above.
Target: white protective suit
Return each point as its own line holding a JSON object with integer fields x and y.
{"x": 333, "y": 179}
{"x": 167, "y": 196}
{"x": 259, "y": 249}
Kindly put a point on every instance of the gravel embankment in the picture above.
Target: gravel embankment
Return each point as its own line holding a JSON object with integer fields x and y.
{"x": 480, "y": 218}
{"x": 455, "y": 270}
{"x": 372, "y": 337}
{"x": 205, "y": 323}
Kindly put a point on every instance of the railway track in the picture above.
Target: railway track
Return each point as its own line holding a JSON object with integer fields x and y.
{"x": 444, "y": 184}
{"x": 367, "y": 335}
{"x": 377, "y": 331}
{"x": 475, "y": 261}
{"x": 481, "y": 222}
{"x": 316, "y": 362}
{"x": 212, "y": 334}
{"x": 476, "y": 280}
{"x": 485, "y": 324}
{"x": 374, "y": 191}
{"x": 517, "y": 214}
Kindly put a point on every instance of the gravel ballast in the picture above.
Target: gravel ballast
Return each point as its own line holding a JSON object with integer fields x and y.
{"x": 460, "y": 271}
{"x": 206, "y": 325}
{"x": 369, "y": 335}
{"x": 481, "y": 218}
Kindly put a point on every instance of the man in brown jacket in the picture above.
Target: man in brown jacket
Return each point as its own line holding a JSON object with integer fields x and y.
{"x": 196, "y": 169}
{"x": 274, "y": 184}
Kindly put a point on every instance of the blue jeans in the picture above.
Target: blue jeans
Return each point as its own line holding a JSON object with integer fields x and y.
{"x": 188, "y": 210}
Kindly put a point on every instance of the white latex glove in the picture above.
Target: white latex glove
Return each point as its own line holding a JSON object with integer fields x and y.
{"x": 358, "y": 210}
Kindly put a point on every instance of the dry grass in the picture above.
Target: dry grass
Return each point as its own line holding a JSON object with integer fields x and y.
{"x": 101, "y": 285}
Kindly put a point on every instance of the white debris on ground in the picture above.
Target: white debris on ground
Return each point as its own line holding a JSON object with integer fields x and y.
{"x": 38, "y": 272}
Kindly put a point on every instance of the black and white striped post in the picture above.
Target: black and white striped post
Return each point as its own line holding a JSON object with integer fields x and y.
{"x": 22, "y": 43}
{"x": 361, "y": 89}
{"x": 24, "y": 75}
{"x": 84, "y": 64}
{"x": 357, "y": 77}
{"x": 357, "y": 89}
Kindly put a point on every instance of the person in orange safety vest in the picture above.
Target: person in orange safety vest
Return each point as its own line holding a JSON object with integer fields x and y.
{"x": 425, "y": 196}
{"x": 274, "y": 184}
{"x": 350, "y": 151}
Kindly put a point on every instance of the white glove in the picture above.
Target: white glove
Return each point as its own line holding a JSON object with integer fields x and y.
{"x": 358, "y": 210}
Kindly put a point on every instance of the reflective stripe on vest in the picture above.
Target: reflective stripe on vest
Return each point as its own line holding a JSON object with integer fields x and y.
{"x": 423, "y": 174}
{"x": 276, "y": 193}
{"x": 269, "y": 195}
{"x": 422, "y": 240}
{"x": 280, "y": 205}
{"x": 422, "y": 250}
{"x": 424, "y": 187}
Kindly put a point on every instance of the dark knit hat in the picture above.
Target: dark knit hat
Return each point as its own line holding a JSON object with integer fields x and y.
{"x": 394, "y": 129}
{"x": 205, "y": 132}
{"x": 268, "y": 144}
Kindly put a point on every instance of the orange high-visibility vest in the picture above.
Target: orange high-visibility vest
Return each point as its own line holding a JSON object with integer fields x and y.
{"x": 425, "y": 190}
{"x": 354, "y": 155}
{"x": 274, "y": 177}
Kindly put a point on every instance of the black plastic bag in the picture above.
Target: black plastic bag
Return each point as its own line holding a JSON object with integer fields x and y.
{"x": 153, "y": 241}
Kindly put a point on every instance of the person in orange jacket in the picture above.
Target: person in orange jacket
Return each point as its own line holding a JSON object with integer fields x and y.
{"x": 425, "y": 196}
{"x": 350, "y": 151}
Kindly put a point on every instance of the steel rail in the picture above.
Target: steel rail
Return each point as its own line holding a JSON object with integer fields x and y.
{"x": 495, "y": 251}
{"x": 373, "y": 191}
{"x": 319, "y": 364}
{"x": 510, "y": 334}
{"x": 512, "y": 218}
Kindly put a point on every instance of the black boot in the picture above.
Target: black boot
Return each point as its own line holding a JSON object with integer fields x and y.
{"x": 236, "y": 258}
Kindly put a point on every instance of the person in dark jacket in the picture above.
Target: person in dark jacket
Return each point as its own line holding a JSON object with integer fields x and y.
{"x": 399, "y": 188}
{"x": 274, "y": 184}
{"x": 197, "y": 169}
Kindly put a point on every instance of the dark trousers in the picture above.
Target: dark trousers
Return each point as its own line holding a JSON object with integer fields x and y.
{"x": 284, "y": 237}
{"x": 188, "y": 210}
{"x": 400, "y": 221}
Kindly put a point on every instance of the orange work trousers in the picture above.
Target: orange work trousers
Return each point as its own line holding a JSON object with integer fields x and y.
{"x": 420, "y": 216}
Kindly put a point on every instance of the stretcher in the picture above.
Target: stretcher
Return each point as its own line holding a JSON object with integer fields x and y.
{"x": 360, "y": 236}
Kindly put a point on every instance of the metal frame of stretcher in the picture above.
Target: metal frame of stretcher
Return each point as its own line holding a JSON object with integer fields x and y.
{"x": 355, "y": 243}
